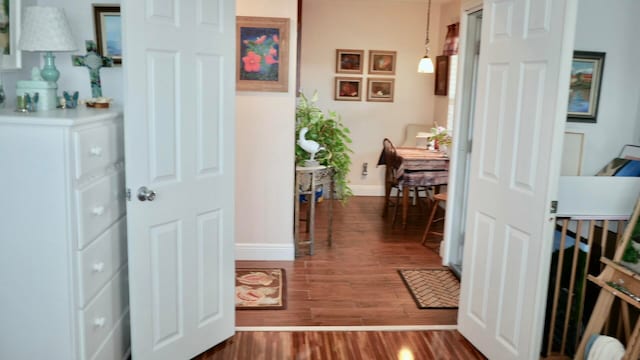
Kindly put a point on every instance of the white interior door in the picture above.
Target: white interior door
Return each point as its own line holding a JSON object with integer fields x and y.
{"x": 521, "y": 106}
{"x": 179, "y": 139}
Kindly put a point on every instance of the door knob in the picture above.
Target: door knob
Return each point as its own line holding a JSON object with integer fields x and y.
{"x": 145, "y": 194}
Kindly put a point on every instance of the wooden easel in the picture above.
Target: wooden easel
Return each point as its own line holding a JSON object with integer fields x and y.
{"x": 616, "y": 281}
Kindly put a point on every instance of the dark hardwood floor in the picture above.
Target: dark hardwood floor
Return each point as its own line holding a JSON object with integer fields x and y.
{"x": 355, "y": 282}
{"x": 347, "y": 345}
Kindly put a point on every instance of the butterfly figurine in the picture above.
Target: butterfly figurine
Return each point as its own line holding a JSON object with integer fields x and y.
{"x": 71, "y": 101}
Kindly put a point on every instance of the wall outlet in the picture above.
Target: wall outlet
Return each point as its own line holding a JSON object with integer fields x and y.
{"x": 364, "y": 169}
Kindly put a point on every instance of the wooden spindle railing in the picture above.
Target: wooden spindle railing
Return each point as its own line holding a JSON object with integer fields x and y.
{"x": 561, "y": 343}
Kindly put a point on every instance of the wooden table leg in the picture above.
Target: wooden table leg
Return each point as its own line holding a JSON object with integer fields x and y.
{"x": 405, "y": 206}
{"x": 387, "y": 195}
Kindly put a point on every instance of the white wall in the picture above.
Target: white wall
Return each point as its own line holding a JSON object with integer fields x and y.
{"x": 611, "y": 27}
{"x": 328, "y": 25}
{"x": 80, "y": 16}
{"x": 265, "y": 154}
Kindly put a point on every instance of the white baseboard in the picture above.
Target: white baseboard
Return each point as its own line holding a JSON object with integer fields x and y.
{"x": 367, "y": 190}
{"x": 272, "y": 252}
{"x": 349, "y": 328}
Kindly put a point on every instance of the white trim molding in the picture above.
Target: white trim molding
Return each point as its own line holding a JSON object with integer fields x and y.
{"x": 264, "y": 252}
{"x": 349, "y": 328}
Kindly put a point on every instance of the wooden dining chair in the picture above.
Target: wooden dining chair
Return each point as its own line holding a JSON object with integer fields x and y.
{"x": 437, "y": 199}
{"x": 391, "y": 181}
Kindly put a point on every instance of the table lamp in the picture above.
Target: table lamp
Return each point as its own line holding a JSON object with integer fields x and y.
{"x": 46, "y": 29}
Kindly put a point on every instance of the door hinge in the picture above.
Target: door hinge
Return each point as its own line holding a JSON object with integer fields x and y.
{"x": 469, "y": 146}
{"x": 128, "y": 194}
{"x": 554, "y": 206}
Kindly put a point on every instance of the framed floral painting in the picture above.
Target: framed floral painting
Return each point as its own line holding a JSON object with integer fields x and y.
{"x": 348, "y": 88}
{"x": 262, "y": 61}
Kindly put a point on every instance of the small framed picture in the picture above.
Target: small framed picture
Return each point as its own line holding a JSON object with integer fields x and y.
{"x": 349, "y": 61}
{"x": 108, "y": 27}
{"x": 584, "y": 88}
{"x": 382, "y": 62}
{"x": 380, "y": 89}
{"x": 442, "y": 75}
{"x": 348, "y": 88}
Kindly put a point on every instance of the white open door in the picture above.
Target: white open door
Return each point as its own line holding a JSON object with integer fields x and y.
{"x": 521, "y": 106}
{"x": 179, "y": 137}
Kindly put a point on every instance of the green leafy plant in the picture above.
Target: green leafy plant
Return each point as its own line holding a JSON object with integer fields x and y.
{"x": 328, "y": 131}
{"x": 441, "y": 135}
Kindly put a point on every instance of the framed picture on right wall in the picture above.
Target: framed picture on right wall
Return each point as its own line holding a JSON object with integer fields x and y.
{"x": 584, "y": 88}
{"x": 442, "y": 75}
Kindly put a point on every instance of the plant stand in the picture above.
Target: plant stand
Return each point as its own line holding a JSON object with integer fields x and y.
{"x": 306, "y": 182}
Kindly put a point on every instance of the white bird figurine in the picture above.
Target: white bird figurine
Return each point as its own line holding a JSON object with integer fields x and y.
{"x": 309, "y": 146}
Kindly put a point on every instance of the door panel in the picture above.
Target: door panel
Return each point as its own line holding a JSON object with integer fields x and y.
{"x": 520, "y": 113}
{"x": 180, "y": 140}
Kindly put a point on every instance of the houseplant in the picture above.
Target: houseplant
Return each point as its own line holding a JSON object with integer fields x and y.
{"x": 328, "y": 131}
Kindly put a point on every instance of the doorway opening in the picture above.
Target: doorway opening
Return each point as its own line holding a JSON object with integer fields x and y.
{"x": 465, "y": 137}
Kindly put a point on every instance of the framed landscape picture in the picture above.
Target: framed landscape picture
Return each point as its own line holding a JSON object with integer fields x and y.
{"x": 380, "y": 89}
{"x": 584, "y": 88}
{"x": 262, "y": 61}
{"x": 348, "y": 88}
{"x": 108, "y": 28}
{"x": 382, "y": 62}
{"x": 349, "y": 61}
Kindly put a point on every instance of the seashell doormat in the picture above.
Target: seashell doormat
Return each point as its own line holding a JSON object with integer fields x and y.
{"x": 260, "y": 289}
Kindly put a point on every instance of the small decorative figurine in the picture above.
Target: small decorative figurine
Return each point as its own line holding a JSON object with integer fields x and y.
{"x": 70, "y": 102}
{"x": 35, "y": 74}
{"x": 309, "y": 146}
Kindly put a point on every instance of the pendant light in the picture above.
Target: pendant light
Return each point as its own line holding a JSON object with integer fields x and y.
{"x": 426, "y": 65}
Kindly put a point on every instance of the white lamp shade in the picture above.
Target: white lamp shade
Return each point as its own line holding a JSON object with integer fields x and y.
{"x": 45, "y": 29}
{"x": 425, "y": 65}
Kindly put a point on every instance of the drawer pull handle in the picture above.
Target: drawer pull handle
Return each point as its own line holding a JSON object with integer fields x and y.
{"x": 98, "y": 267}
{"x": 99, "y": 322}
{"x": 98, "y": 210}
{"x": 96, "y": 151}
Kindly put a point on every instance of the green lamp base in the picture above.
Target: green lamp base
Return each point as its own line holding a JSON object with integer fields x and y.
{"x": 49, "y": 71}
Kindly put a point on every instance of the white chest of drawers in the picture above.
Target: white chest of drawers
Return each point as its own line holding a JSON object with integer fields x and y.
{"x": 63, "y": 263}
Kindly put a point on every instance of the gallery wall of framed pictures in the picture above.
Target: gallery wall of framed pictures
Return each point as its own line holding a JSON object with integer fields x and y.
{"x": 381, "y": 63}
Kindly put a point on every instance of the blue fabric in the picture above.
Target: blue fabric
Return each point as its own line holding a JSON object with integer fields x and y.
{"x": 632, "y": 168}
{"x": 587, "y": 349}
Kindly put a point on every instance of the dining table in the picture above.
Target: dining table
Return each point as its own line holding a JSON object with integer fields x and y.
{"x": 417, "y": 167}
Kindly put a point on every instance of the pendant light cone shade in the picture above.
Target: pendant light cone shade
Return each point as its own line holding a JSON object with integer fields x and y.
{"x": 425, "y": 65}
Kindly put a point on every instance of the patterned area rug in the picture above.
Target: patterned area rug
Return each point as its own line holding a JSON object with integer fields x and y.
{"x": 260, "y": 289}
{"x": 432, "y": 288}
